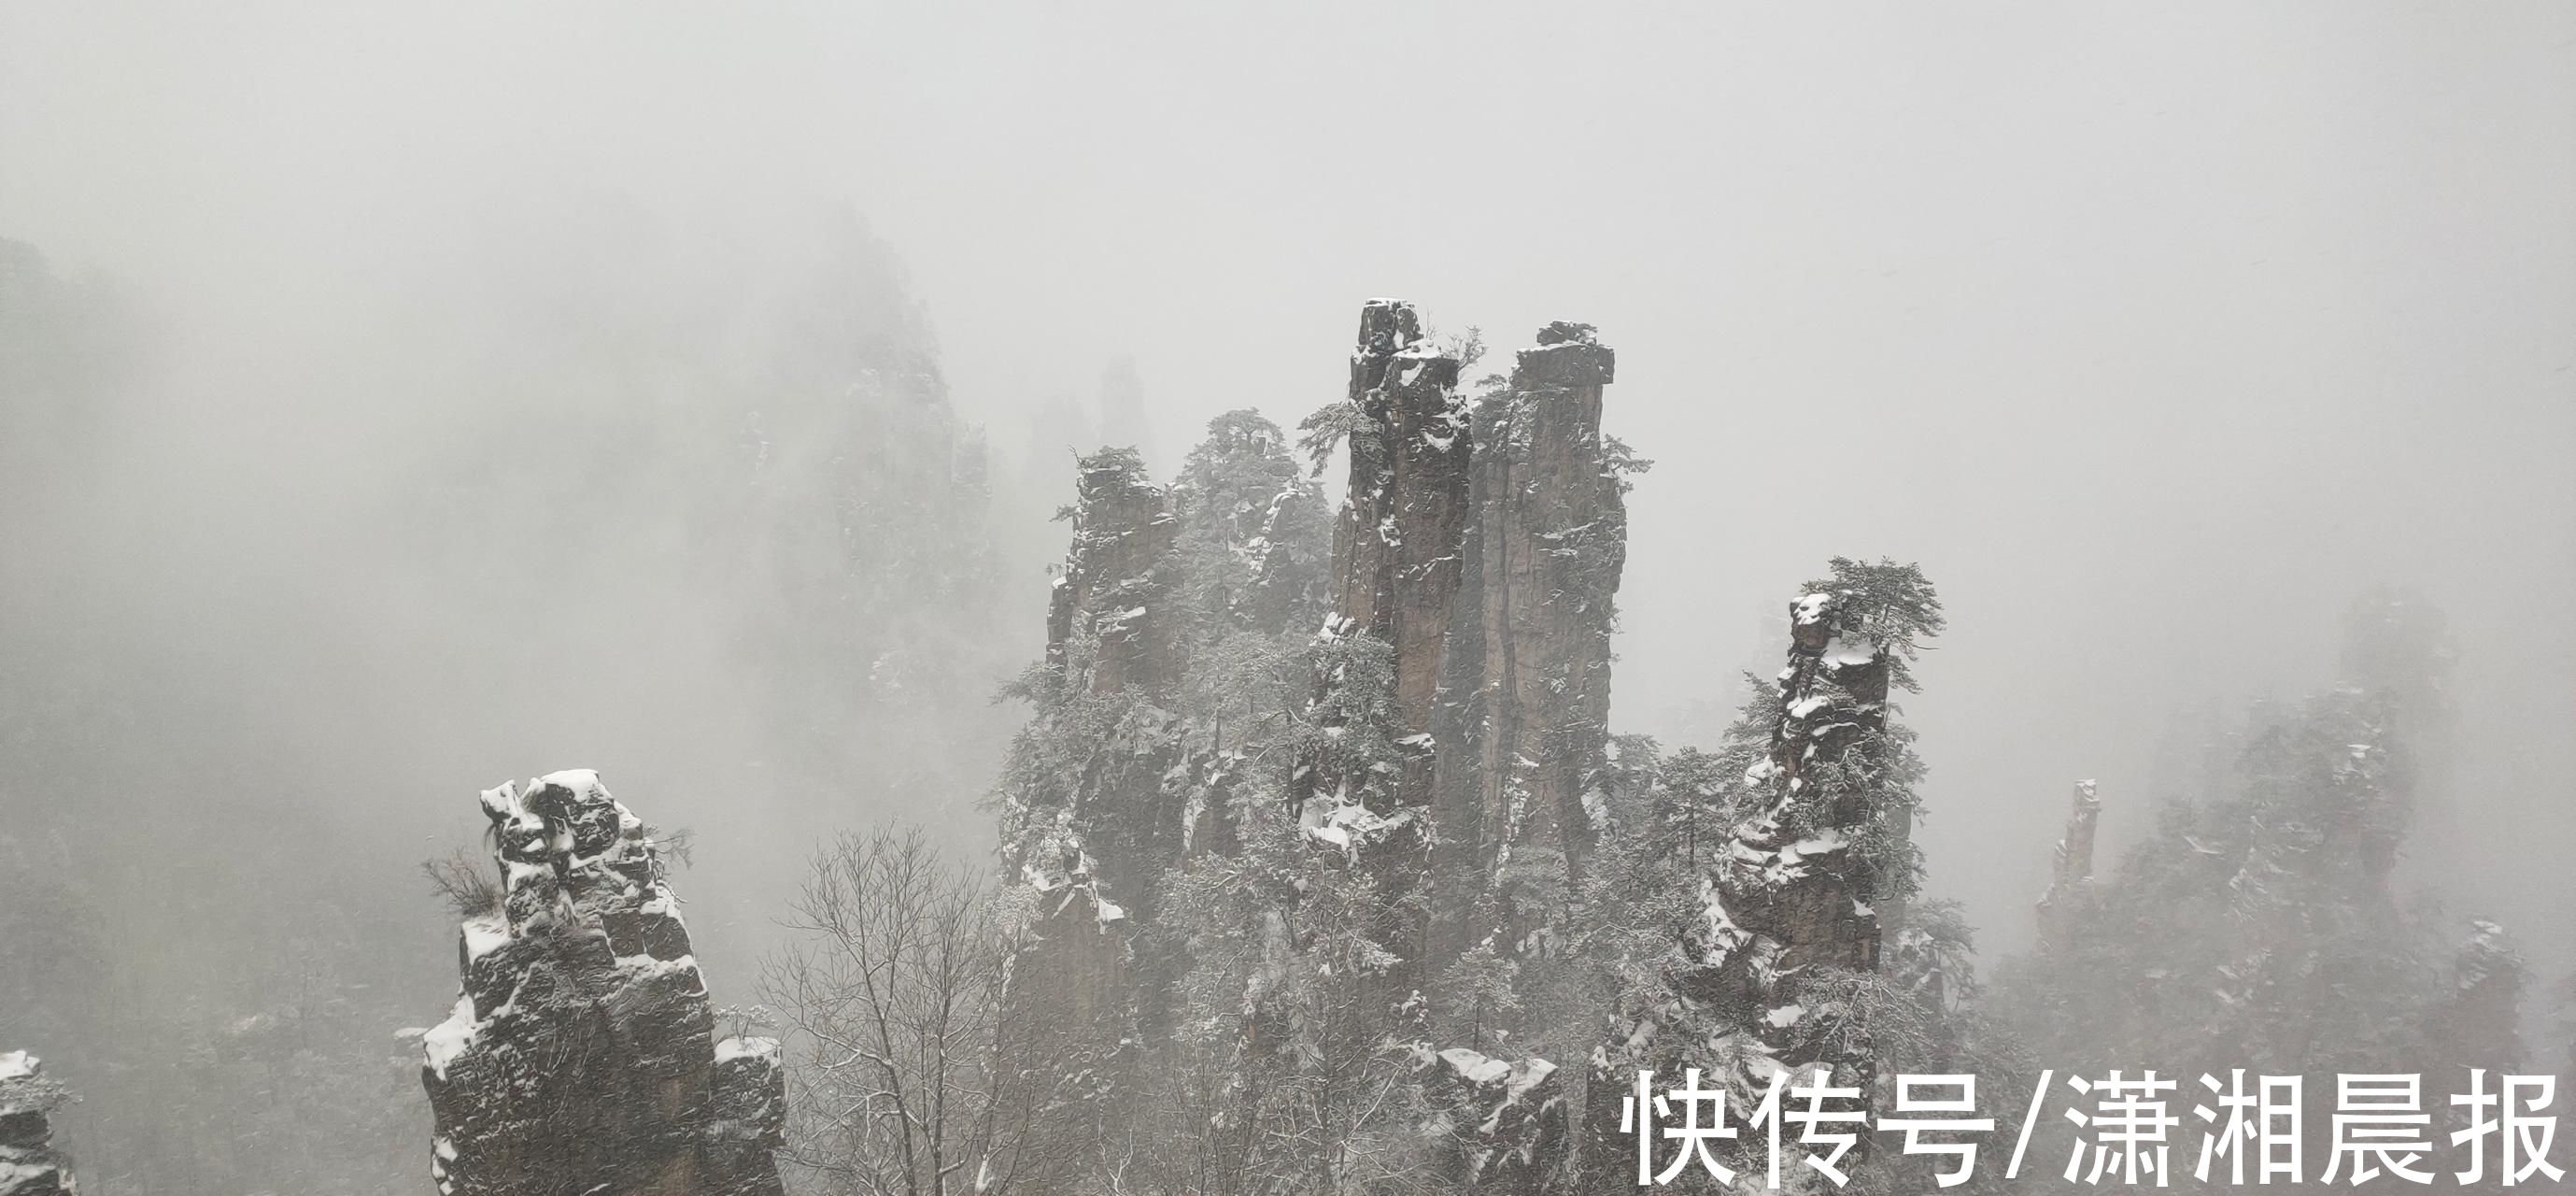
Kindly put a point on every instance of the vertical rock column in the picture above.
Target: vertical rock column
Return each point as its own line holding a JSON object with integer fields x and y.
{"x": 1105, "y": 630}
{"x": 1531, "y": 667}
{"x": 1094, "y": 847}
{"x": 2071, "y": 872}
{"x": 1093, "y": 824}
{"x": 581, "y": 1055}
{"x": 1522, "y": 732}
{"x": 28, "y": 1164}
{"x": 1397, "y": 547}
{"x": 1789, "y": 940}
{"x": 1792, "y": 869}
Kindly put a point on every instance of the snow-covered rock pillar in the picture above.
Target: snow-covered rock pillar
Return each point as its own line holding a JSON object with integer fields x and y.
{"x": 1793, "y": 872}
{"x": 1531, "y": 663}
{"x": 1093, "y": 838}
{"x": 1788, "y": 951}
{"x": 2071, "y": 872}
{"x": 1093, "y": 843}
{"x": 1110, "y": 596}
{"x": 1396, "y": 548}
{"x": 581, "y": 1054}
{"x": 29, "y": 1165}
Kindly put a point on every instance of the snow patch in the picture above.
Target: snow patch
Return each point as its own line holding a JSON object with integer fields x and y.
{"x": 753, "y": 1047}
{"x": 1851, "y": 653}
{"x": 583, "y": 781}
{"x": 485, "y": 935}
{"x": 448, "y": 1039}
{"x": 1475, "y": 1067}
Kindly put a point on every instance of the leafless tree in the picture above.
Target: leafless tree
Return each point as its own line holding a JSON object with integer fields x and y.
{"x": 909, "y": 1074}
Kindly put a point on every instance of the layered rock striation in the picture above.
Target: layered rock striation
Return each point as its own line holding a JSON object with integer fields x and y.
{"x": 29, "y": 1165}
{"x": 581, "y": 1055}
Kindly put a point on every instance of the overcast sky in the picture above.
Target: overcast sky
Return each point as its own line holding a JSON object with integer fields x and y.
{"x": 2153, "y": 334}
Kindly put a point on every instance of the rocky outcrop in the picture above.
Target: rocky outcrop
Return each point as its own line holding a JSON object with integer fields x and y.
{"x": 1094, "y": 851}
{"x": 1505, "y": 1120}
{"x": 581, "y": 1054}
{"x": 29, "y": 1166}
{"x": 2071, "y": 870}
{"x": 1091, "y": 822}
{"x": 1786, "y": 954}
{"x": 1107, "y": 624}
{"x": 1793, "y": 879}
{"x": 2478, "y": 1024}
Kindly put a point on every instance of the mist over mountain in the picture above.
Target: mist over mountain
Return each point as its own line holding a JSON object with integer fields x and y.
{"x": 394, "y": 403}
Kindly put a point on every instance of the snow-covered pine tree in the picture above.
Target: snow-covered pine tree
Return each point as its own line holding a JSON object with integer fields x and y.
{"x": 1254, "y": 534}
{"x": 1252, "y": 561}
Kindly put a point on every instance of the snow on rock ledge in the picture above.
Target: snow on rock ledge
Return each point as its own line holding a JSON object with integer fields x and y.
{"x": 580, "y": 1055}
{"x": 28, "y": 1164}
{"x": 1506, "y": 1120}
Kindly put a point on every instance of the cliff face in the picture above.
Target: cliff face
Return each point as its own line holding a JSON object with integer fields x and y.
{"x": 1396, "y": 559}
{"x": 28, "y": 1164}
{"x": 1439, "y": 762}
{"x": 1782, "y": 965}
{"x": 1087, "y": 823}
{"x": 1480, "y": 553}
{"x": 1795, "y": 880}
{"x": 1529, "y": 665}
{"x": 1091, "y": 823}
{"x": 2478, "y": 1025}
{"x": 1108, "y": 626}
{"x": 581, "y": 1054}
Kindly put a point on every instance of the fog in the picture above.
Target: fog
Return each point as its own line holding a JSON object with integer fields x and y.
{"x": 2156, "y": 337}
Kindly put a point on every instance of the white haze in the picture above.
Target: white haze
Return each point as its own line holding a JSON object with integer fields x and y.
{"x": 2156, "y": 335}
